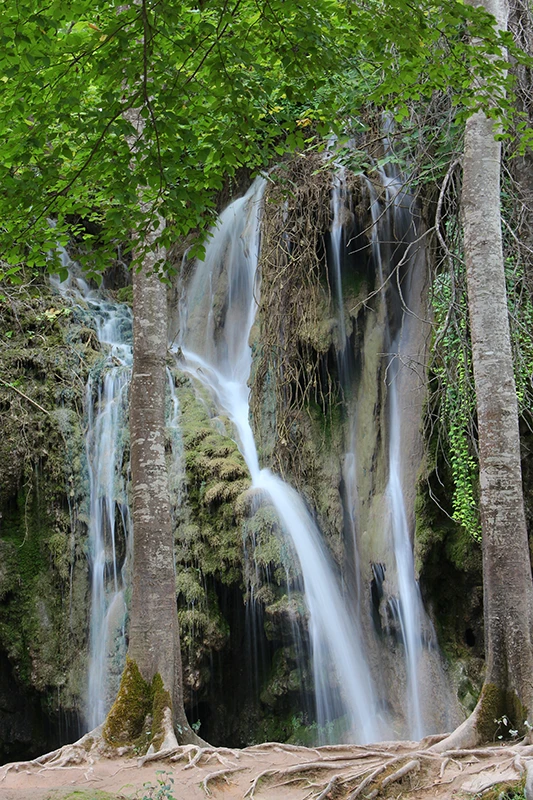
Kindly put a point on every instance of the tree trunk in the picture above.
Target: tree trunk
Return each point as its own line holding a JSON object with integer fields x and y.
{"x": 154, "y": 636}
{"x": 153, "y": 619}
{"x": 508, "y": 588}
{"x": 153, "y": 673}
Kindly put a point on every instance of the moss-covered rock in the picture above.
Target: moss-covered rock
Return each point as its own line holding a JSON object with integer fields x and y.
{"x": 216, "y": 476}
{"x": 47, "y": 351}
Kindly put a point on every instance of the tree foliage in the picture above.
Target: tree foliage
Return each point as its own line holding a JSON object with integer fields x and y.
{"x": 221, "y": 85}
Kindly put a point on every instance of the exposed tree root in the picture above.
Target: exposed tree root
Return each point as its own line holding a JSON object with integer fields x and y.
{"x": 365, "y": 772}
{"x": 340, "y": 772}
{"x": 221, "y": 773}
{"x": 70, "y": 755}
{"x": 411, "y": 766}
{"x": 334, "y": 782}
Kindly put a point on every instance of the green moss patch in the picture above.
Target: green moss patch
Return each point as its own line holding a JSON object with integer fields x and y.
{"x": 136, "y": 716}
{"x": 509, "y": 790}
{"x": 47, "y": 349}
{"x": 500, "y": 712}
{"x": 125, "y": 721}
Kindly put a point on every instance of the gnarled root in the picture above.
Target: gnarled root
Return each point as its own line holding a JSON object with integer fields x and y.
{"x": 221, "y": 773}
{"x": 70, "y": 755}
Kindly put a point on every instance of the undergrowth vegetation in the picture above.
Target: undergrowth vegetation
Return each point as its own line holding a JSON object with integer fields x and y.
{"x": 452, "y": 407}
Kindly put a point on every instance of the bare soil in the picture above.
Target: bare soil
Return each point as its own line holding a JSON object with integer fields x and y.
{"x": 410, "y": 770}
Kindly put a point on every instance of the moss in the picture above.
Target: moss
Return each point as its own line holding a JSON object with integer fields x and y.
{"x": 43, "y": 481}
{"x": 448, "y": 561}
{"x": 203, "y": 630}
{"x": 35, "y": 618}
{"x": 216, "y": 471}
{"x": 510, "y": 790}
{"x": 125, "y": 721}
{"x": 284, "y": 677}
{"x": 136, "y": 717}
{"x": 495, "y": 704}
{"x": 161, "y": 700}
{"x": 125, "y": 294}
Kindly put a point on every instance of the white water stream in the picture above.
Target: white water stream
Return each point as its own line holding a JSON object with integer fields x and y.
{"x": 338, "y": 247}
{"x": 107, "y": 413}
{"x": 392, "y": 221}
{"x": 218, "y": 354}
{"x": 109, "y": 520}
{"x": 390, "y": 234}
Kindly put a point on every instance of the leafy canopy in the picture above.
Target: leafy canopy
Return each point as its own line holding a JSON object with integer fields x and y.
{"x": 220, "y": 85}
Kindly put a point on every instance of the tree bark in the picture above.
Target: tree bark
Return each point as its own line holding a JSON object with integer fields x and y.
{"x": 154, "y": 643}
{"x": 507, "y": 582}
{"x": 154, "y": 635}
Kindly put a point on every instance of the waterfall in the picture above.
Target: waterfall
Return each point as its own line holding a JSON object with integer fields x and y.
{"x": 107, "y": 413}
{"x": 392, "y": 238}
{"x": 368, "y": 666}
{"x": 217, "y": 354}
{"x": 410, "y": 605}
{"x": 109, "y": 519}
{"x": 338, "y": 247}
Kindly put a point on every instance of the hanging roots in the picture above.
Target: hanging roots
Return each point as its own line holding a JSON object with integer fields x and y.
{"x": 295, "y": 311}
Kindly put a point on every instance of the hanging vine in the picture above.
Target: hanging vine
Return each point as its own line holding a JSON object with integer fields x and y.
{"x": 452, "y": 418}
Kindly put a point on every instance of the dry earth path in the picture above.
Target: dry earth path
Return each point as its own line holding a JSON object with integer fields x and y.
{"x": 407, "y": 770}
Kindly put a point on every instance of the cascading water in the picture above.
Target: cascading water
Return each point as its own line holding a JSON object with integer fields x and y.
{"x": 109, "y": 517}
{"x": 395, "y": 259}
{"x": 217, "y": 313}
{"x": 392, "y": 238}
{"x": 410, "y": 605}
{"x": 225, "y": 286}
{"x": 338, "y": 251}
{"x": 108, "y": 505}
{"x": 338, "y": 248}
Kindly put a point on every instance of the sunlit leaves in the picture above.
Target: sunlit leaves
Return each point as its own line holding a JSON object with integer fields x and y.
{"x": 220, "y": 86}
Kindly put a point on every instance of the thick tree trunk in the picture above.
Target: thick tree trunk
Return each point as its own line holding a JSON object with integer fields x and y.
{"x": 152, "y": 680}
{"x": 154, "y": 636}
{"x": 153, "y": 603}
{"x": 508, "y": 588}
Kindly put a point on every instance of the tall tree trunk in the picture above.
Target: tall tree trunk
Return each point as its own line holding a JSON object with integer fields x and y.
{"x": 154, "y": 643}
{"x": 152, "y": 678}
{"x": 507, "y": 582}
{"x": 153, "y": 621}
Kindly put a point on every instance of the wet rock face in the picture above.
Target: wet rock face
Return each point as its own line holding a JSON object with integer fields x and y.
{"x": 17, "y": 721}
{"x": 43, "y": 572}
{"x": 27, "y": 727}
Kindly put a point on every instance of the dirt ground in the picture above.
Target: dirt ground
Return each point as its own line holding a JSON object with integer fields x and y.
{"x": 267, "y": 772}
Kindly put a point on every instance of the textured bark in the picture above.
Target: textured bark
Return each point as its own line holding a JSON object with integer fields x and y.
{"x": 508, "y": 589}
{"x": 507, "y": 583}
{"x": 154, "y": 643}
{"x": 154, "y": 636}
